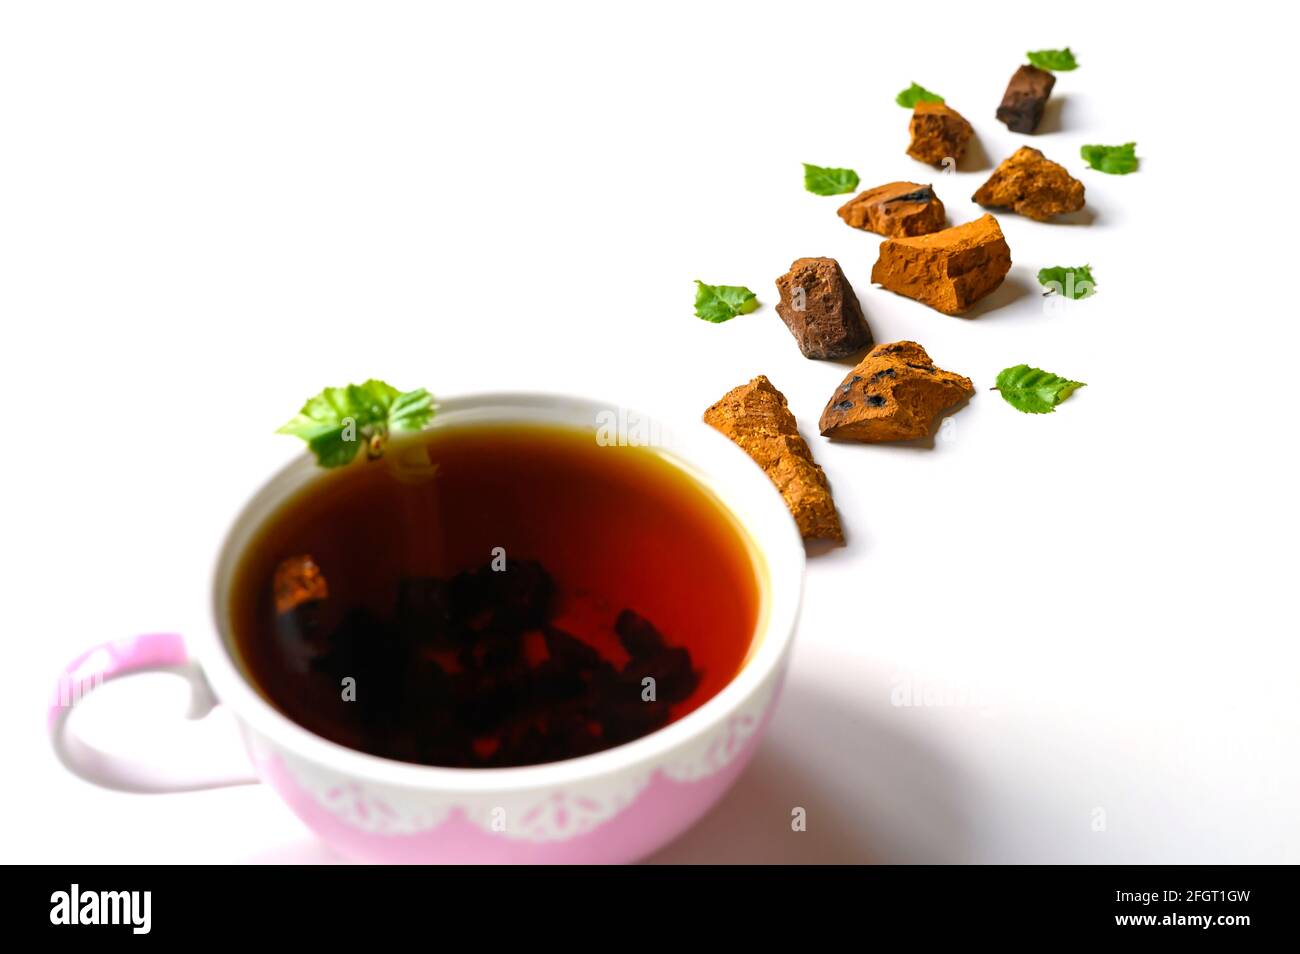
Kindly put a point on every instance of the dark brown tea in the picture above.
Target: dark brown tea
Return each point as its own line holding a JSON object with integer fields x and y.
{"x": 495, "y": 595}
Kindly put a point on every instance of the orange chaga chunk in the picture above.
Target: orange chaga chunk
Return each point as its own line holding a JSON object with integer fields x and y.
{"x": 939, "y": 132}
{"x": 895, "y": 394}
{"x": 755, "y": 416}
{"x": 948, "y": 270}
{"x": 1029, "y": 183}
{"x": 895, "y": 209}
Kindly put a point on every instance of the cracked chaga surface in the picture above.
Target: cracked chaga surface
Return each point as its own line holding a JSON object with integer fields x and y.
{"x": 1029, "y": 183}
{"x": 895, "y": 209}
{"x": 948, "y": 270}
{"x": 937, "y": 132}
{"x": 1026, "y": 96}
{"x": 895, "y": 394}
{"x": 819, "y": 307}
{"x": 755, "y": 417}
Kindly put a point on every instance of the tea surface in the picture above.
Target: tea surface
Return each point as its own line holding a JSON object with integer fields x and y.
{"x": 495, "y": 595}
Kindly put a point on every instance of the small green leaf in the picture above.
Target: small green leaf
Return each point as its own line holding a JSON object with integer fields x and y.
{"x": 1073, "y": 283}
{"x": 718, "y": 303}
{"x": 334, "y": 447}
{"x": 1117, "y": 160}
{"x": 825, "y": 181}
{"x": 914, "y": 94}
{"x": 411, "y": 411}
{"x": 338, "y": 421}
{"x": 1059, "y": 61}
{"x": 1034, "y": 391}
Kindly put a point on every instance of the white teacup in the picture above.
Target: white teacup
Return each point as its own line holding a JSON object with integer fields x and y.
{"x": 616, "y": 805}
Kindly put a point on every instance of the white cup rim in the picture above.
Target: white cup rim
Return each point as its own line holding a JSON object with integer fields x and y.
{"x": 712, "y": 459}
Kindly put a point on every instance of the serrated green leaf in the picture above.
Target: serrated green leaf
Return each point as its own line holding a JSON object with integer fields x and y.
{"x": 826, "y": 181}
{"x": 1059, "y": 61}
{"x": 914, "y": 94}
{"x": 718, "y": 303}
{"x": 411, "y": 411}
{"x": 1033, "y": 390}
{"x": 335, "y": 446}
{"x": 336, "y": 422}
{"x": 1116, "y": 160}
{"x": 1073, "y": 283}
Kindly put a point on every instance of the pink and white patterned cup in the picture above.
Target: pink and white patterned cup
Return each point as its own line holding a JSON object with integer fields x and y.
{"x": 614, "y": 806}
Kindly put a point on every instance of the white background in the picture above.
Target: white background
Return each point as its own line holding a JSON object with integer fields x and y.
{"x": 209, "y": 211}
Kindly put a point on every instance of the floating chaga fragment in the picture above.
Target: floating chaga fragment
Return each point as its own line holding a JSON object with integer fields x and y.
{"x": 895, "y": 210}
{"x": 755, "y": 416}
{"x": 938, "y": 133}
{"x": 820, "y": 309}
{"x": 298, "y": 580}
{"x": 895, "y": 394}
{"x": 948, "y": 270}
{"x": 1031, "y": 184}
{"x": 1026, "y": 95}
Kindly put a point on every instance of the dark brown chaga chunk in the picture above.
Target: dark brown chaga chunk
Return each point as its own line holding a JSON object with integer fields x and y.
{"x": 569, "y": 650}
{"x": 674, "y": 677}
{"x": 517, "y": 597}
{"x": 1026, "y": 96}
{"x": 424, "y": 609}
{"x": 638, "y": 635}
{"x": 938, "y": 133}
{"x": 820, "y": 309}
{"x": 624, "y": 721}
{"x": 895, "y": 209}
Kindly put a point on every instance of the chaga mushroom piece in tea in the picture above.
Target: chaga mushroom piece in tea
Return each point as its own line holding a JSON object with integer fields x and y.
{"x": 525, "y": 595}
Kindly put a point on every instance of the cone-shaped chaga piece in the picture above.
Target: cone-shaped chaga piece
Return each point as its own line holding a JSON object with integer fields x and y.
{"x": 938, "y": 132}
{"x": 895, "y": 394}
{"x": 1031, "y": 184}
{"x": 895, "y": 210}
{"x": 1026, "y": 95}
{"x": 948, "y": 270}
{"x": 820, "y": 309}
{"x": 756, "y": 417}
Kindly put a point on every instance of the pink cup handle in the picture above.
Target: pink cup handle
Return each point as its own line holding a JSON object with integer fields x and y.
{"x": 156, "y": 652}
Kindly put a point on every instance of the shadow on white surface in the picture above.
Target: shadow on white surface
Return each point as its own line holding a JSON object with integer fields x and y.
{"x": 308, "y": 850}
{"x": 1013, "y": 288}
{"x": 1050, "y": 121}
{"x": 975, "y": 158}
{"x": 870, "y": 793}
{"x": 1085, "y": 216}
